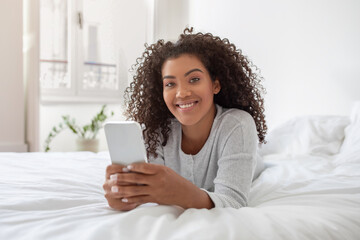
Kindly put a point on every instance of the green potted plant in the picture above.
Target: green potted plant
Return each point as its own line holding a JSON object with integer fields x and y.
{"x": 87, "y": 134}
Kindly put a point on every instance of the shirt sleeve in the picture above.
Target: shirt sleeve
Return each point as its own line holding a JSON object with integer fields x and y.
{"x": 236, "y": 166}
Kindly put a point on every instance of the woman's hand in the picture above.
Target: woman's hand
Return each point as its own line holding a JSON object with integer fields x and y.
{"x": 153, "y": 183}
{"x": 114, "y": 201}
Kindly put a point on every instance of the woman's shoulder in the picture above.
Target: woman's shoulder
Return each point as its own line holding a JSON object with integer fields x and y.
{"x": 233, "y": 117}
{"x": 235, "y": 124}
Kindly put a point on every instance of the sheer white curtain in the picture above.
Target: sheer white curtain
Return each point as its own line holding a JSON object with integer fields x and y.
{"x": 31, "y": 34}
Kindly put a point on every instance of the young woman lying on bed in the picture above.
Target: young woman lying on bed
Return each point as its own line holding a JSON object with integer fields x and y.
{"x": 200, "y": 103}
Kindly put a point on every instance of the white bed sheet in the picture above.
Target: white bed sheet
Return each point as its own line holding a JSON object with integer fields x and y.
{"x": 311, "y": 190}
{"x": 60, "y": 196}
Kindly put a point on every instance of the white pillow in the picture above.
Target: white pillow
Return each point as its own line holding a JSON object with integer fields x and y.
{"x": 307, "y": 135}
{"x": 352, "y": 132}
{"x": 350, "y": 149}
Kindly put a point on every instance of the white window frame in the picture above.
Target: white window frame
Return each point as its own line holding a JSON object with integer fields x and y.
{"x": 75, "y": 94}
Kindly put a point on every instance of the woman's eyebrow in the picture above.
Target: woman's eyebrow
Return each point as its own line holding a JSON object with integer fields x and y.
{"x": 193, "y": 70}
{"x": 169, "y": 76}
{"x": 186, "y": 74}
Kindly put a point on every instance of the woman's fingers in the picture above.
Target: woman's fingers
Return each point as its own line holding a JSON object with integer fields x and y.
{"x": 138, "y": 199}
{"x": 117, "y": 204}
{"x": 115, "y": 168}
{"x": 126, "y": 187}
{"x": 144, "y": 168}
{"x": 129, "y": 178}
{"x": 127, "y": 191}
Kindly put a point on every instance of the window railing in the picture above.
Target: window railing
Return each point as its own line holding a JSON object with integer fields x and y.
{"x": 97, "y": 76}
{"x": 54, "y": 74}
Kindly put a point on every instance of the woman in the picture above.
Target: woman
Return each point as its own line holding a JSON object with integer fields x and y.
{"x": 200, "y": 104}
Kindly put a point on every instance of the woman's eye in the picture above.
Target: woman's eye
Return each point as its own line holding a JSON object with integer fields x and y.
{"x": 194, "y": 80}
{"x": 170, "y": 84}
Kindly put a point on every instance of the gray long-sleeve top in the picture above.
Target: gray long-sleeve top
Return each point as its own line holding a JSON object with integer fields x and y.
{"x": 226, "y": 164}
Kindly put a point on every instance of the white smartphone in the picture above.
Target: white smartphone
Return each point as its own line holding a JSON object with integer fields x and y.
{"x": 125, "y": 142}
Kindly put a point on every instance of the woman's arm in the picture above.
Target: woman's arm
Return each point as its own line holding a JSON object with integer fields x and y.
{"x": 236, "y": 163}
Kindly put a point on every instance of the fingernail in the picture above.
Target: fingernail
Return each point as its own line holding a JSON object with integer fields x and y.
{"x": 125, "y": 169}
{"x": 113, "y": 177}
{"x": 124, "y": 200}
{"x": 114, "y": 189}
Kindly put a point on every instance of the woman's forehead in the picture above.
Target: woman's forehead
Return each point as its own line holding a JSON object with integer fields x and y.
{"x": 184, "y": 62}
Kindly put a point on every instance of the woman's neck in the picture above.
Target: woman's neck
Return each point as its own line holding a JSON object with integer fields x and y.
{"x": 194, "y": 137}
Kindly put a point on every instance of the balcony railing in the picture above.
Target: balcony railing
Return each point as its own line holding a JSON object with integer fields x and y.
{"x": 54, "y": 74}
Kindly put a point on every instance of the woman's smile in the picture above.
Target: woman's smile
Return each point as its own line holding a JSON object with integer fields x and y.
{"x": 186, "y": 106}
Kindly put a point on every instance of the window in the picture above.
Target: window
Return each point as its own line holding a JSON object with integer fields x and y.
{"x": 78, "y": 56}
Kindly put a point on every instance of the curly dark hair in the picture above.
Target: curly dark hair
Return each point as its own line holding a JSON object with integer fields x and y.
{"x": 240, "y": 84}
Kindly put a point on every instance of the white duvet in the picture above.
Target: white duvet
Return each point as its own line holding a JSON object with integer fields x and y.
{"x": 307, "y": 192}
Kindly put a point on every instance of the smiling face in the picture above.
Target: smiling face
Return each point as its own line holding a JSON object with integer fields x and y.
{"x": 188, "y": 90}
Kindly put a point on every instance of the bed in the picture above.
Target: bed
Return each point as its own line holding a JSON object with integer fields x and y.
{"x": 309, "y": 190}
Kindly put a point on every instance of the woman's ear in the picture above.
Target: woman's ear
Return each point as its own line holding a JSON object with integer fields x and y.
{"x": 216, "y": 86}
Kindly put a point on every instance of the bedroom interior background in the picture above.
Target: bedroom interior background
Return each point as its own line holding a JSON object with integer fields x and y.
{"x": 308, "y": 53}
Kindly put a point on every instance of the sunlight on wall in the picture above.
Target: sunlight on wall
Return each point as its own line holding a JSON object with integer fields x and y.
{"x": 308, "y": 51}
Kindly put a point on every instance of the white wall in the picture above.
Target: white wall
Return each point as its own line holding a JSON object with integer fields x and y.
{"x": 308, "y": 51}
{"x": 12, "y": 122}
{"x": 170, "y": 18}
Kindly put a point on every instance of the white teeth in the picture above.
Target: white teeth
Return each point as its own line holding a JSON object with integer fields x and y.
{"x": 186, "y": 105}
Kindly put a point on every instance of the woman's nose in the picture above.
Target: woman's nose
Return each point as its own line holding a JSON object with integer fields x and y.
{"x": 183, "y": 91}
